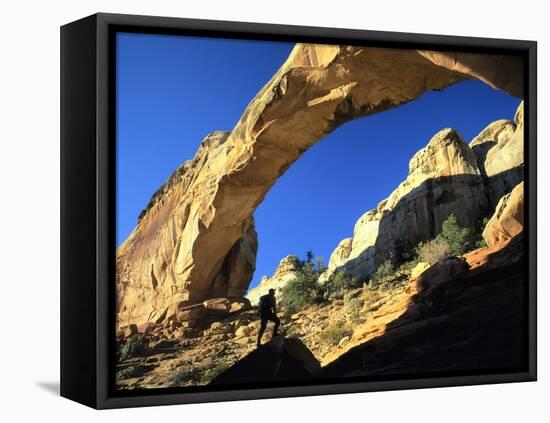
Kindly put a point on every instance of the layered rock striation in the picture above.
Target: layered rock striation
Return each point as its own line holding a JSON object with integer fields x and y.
{"x": 151, "y": 260}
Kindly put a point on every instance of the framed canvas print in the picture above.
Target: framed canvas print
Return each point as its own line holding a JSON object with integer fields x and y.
{"x": 254, "y": 211}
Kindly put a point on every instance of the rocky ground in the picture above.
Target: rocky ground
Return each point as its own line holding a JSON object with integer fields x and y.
{"x": 342, "y": 334}
{"x": 460, "y": 321}
{"x": 459, "y": 311}
{"x": 193, "y": 354}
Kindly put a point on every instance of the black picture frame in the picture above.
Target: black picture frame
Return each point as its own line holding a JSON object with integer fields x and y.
{"x": 88, "y": 202}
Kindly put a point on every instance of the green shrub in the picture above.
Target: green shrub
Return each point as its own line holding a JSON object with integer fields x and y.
{"x": 457, "y": 237}
{"x": 384, "y": 273}
{"x": 334, "y": 333}
{"x": 200, "y": 375}
{"x": 453, "y": 240}
{"x": 134, "y": 347}
{"x": 183, "y": 376}
{"x": 338, "y": 283}
{"x": 408, "y": 266}
{"x": 370, "y": 298}
{"x": 353, "y": 305}
{"x": 480, "y": 241}
{"x": 304, "y": 290}
{"x": 128, "y": 373}
{"x": 299, "y": 293}
{"x": 432, "y": 251}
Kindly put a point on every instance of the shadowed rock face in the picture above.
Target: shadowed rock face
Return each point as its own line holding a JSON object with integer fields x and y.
{"x": 280, "y": 360}
{"x": 196, "y": 238}
{"x": 462, "y": 321}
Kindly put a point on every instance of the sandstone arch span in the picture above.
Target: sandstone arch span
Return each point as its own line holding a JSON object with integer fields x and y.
{"x": 196, "y": 238}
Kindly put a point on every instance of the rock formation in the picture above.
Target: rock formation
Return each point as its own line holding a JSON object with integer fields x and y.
{"x": 149, "y": 261}
{"x": 499, "y": 149}
{"x": 281, "y": 359}
{"x": 507, "y": 221}
{"x": 195, "y": 239}
{"x": 475, "y": 319}
{"x": 338, "y": 258}
{"x": 442, "y": 271}
{"x": 285, "y": 272}
{"x": 447, "y": 176}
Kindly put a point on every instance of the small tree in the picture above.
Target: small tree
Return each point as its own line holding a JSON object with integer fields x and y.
{"x": 354, "y": 308}
{"x": 432, "y": 251}
{"x": 134, "y": 347}
{"x": 299, "y": 292}
{"x": 304, "y": 290}
{"x": 457, "y": 237}
{"x": 480, "y": 241}
{"x": 334, "y": 333}
{"x": 384, "y": 272}
{"x": 338, "y": 283}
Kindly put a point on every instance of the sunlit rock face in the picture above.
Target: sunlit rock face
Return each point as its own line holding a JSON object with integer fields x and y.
{"x": 499, "y": 149}
{"x": 150, "y": 260}
{"x": 508, "y": 219}
{"x": 443, "y": 178}
{"x": 183, "y": 248}
{"x": 447, "y": 176}
{"x": 285, "y": 272}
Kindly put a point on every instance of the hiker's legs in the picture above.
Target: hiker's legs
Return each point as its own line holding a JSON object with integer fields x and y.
{"x": 263, "y": 324}
{"x": 277, "y": 322}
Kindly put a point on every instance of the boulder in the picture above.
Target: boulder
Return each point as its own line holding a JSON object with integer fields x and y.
{"x": 441, "y": 271}
{"x": 219, "y": 306}
{"x": 191, "y": 312}
{"x": 508, "y": 219}
{"x": 279, "y": 360}
{"x": 240, "y": 304}
{"x": 224, "y": 306}
{"x": 219, "y": 328}
{"x": 419, "y": 269}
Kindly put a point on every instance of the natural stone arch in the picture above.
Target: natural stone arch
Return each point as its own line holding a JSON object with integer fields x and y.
{"x": 196, "y": 237}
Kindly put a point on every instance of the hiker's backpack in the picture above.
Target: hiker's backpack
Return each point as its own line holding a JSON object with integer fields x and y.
{"x": 265, "y": 303}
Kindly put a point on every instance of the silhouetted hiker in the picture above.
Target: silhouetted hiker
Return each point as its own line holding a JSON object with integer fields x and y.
{"x": 268, "y": 312}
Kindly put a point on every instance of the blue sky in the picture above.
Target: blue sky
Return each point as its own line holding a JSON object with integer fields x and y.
{"x": 172, "y": 91}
